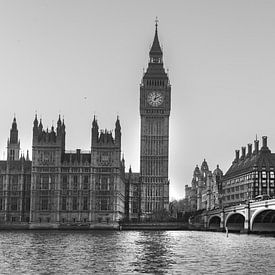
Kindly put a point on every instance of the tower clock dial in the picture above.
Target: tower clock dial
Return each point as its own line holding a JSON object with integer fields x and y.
{"x": 155, "y": 98}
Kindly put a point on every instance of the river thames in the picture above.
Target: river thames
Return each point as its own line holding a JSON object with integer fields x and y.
{"x": 128, "y": 252}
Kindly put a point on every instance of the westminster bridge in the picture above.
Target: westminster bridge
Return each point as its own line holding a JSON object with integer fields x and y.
{"x": 257, "y": 216}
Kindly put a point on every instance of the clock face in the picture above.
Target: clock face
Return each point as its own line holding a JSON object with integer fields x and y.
{"x": 155, "y": 98}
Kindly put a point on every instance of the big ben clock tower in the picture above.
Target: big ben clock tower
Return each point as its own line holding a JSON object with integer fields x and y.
{"x": 155, "y": 104}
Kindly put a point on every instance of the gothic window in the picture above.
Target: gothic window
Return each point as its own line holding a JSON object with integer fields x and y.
{"x": 75, "y": 179}
{"x": 103, "y": 204}
{"x": 64, "y": 179}
{"x": 27, "y": 205}
{"x": 15, "y": 179}
{"x": 74, "y": 203}
{"x": 86, "y": 179}
{"x": 85, "y": 186}
{"x": 97, "y": 205}
{"x": 135, "y": 207}
{"x": 12, "y": 154}
{"x": 64, "y": 202}
{"x": 104, "y": 183}
{"x": 13, "y": 204}
{"x": 97, "y": 186}
{"x": 64, "y": 186}
{"x": 85, "y": 203}
{"x": 14, "y": 186}
{"x": 44, "y": 182}
{"x": 44, "y": 204}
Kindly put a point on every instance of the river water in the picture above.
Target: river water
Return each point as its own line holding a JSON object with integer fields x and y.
{"x": 134, "y": 252}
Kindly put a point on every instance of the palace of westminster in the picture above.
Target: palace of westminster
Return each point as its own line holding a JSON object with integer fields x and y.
{"x": 58, "y": 187}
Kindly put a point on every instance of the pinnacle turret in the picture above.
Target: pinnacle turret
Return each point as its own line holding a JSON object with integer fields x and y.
{"x": 14, "y": 132}
{"x": 35, "y": 122}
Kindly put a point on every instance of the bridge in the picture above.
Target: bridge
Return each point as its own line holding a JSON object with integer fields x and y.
{"x": 258, "y": 216}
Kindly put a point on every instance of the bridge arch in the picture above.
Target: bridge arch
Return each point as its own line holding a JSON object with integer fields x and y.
{"x": 263, "y": 220}
{"x": 214, "y": 222}
{"x": 235, "y": 221}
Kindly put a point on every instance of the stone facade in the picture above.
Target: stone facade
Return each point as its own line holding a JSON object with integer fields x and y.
{"x": 59, "y": 188}
{"x": 132, "y": 198}
{"x": 205, "y": 189}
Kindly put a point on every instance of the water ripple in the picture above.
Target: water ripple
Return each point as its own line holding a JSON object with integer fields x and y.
{"x": 134, "y": 252}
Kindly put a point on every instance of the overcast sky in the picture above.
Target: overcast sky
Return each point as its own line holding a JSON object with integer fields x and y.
{"x": 80, "y": 58}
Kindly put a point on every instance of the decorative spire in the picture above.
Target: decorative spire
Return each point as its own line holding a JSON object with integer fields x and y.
{"x": 156, "y": 52}
{"x": 156, "y": 22}
{"x": 14, "y": 124}
{"x": 14, "y": 132}
{"x": 63, "y": 123}
{"x": 35, "y": 122}
{"x": 40, "y": 124}
{"x": 94, "y": 124}
{"x": 59, "y": 121}
{"x": 118, "y": 127}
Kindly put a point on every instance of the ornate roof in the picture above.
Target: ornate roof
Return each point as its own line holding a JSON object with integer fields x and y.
{"x": 249, "y": 162}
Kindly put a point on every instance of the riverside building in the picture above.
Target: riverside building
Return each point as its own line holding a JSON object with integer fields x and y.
{"x": 205, "y": 190}
{"x": 60, "y": 188}
{"x": 250, "y": 174}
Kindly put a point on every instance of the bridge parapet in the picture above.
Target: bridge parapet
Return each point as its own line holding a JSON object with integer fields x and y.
{"x": 264, "y": 203}
{"x": 242, "y": 213}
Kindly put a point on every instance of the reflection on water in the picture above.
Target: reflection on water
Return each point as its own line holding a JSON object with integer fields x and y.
{"x": 155, "y": 252}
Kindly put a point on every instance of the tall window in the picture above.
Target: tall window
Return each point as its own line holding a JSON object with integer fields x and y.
{"x": 85, "y": 203}
{"x": 85, "y": 182}
{"x": 104, "y": 204}
{"x": 44, "y": 204}
{"x": 12, "y": 154}
{"x": 74, "y": 203}
{"x": 86, "y": 179}
{"x": 13, "y": 204}
{"x": 64, "y": 202}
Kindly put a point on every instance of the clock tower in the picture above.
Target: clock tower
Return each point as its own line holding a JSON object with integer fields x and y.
{"x": 155, "y": 104}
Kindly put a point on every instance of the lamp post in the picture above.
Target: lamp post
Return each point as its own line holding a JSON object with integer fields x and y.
{"x": 248, "y": 207}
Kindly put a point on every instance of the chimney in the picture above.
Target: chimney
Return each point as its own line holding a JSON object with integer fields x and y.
{"x": 243, "y": 152}
{"x": 237, "y": 152}
{"x": 249, "y": 149}
{"x": 264, "y": 141}
{"x": 256, "y": 146}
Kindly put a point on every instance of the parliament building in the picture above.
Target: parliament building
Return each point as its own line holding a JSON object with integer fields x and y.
{"x": 63, "y": 189}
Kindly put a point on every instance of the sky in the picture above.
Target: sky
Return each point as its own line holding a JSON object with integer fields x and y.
{"x": 84, "y": 58}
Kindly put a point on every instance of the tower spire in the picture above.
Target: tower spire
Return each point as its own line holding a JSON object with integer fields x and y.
{"x": 156, "y": 21}
{"x": 156, "y": 52}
